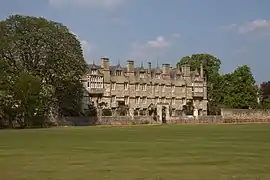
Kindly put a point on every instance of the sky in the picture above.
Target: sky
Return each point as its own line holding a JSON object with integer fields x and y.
{"x": 159, "y": 31}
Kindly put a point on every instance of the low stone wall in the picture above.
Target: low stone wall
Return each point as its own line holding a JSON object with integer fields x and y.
{"x": 125, "y": 120}
{"x": 245, "y": 115}
{"x": 228, "y": 116}
{"x": 198, "y": 120}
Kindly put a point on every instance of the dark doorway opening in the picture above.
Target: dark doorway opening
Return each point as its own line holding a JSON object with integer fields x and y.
{"x": 163, "y": 115}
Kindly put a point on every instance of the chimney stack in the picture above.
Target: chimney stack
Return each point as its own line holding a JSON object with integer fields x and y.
{"x": 165, "y": 68}
{"x": 130, "y": 66}
{"x": 149, "y": 67}
{"x": 105, "y": 63}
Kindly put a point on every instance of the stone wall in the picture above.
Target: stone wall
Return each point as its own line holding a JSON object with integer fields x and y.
{"x": 245, "y": 115}
{"x": 125, "y": 120}
{"x": 228, "y": 116}
{"x": 198, "y": 120}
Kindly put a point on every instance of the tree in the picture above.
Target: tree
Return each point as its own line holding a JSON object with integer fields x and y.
{"x": 7, "y": 102}
{"x": 48, "y": 51}
{"x": 264, "y": 90}
{"x": 211, "y": 66}
{"x": 31, "y": 104}
{"x": 240, "y": 90}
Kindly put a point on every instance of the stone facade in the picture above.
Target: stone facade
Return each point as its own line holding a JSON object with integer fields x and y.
{"x": 167, "y": 91}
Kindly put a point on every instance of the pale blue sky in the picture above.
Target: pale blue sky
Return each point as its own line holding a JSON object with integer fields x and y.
{"x": 236, "y": 31}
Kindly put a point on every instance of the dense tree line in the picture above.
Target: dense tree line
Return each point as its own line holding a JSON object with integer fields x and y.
{"x": 41, "y": 63}
{"x": 232, "y": 90}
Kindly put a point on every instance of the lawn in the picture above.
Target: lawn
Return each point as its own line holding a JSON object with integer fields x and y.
{"x": 180, "y": 152}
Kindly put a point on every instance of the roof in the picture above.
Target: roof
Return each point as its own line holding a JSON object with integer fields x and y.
{"x": 173, "y": 72}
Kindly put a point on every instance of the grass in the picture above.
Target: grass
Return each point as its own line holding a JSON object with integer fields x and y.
{"x": 180, "y": 152}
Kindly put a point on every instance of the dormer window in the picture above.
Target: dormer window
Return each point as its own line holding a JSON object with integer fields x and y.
{"x": 141, "y": 75}
{"x": 158, "y": 76}
{"x": 118, "y": 73}
{"x": 94, "y": 71}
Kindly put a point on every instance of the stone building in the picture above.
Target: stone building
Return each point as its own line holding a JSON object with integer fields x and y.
{"x": 167, "y": 91}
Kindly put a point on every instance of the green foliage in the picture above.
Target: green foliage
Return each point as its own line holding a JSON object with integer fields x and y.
{"x": 239, "y": 89}
{"x": 211, "y": 66}
{"x": 264, "y": 95}
{"x": 235, "y": 90}
{"x": 27, "y": 91}
{"x": 43, "y": 62}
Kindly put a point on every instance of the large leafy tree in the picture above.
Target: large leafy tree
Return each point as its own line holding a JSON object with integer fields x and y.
{"x": 211, "y": 66}
{"x": 48, "y": 51}
{"x": 264, "y": 90}
{"x": 239, "y": 89}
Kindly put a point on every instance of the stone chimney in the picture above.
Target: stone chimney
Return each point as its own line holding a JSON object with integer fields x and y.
{"x": 105, "y": 67}
{"x": 149, "y": 67}
{"x": 130, "y": 66}
{"x": 165, "y": 68}
{"x": 105, "y": 63}
{"x": 201, "y": 70}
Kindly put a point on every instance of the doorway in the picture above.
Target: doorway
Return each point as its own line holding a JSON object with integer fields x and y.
{"x": 163, "y": 115}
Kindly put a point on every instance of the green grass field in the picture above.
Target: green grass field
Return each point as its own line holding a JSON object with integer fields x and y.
{"x": 180, "y": 152}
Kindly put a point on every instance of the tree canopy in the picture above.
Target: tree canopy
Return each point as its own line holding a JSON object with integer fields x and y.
{"x": 264, "y": 95}
{"x": 239, "y": 89}
{"x": 232, "y": 90}
{"x": 43, "y": 63}
{"x": 211, "y": 66}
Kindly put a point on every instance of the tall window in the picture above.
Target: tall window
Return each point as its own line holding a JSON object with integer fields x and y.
{"x": 163, "y": 88}
{"x": 156, "y": 87}
{"x": 126, "y": 100}
{"x": 144, "y": 87}
{"x": 113, "y": 99}
{"x": 173, "y": 100}
{"x": 125, "y": 86}
{"x": 137, "y": 100}
{"x": 118, "y": 73}
{"x": 113, "y": 85}
{"x": 144, "y": 100}
{"x": 137, "y": 86}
